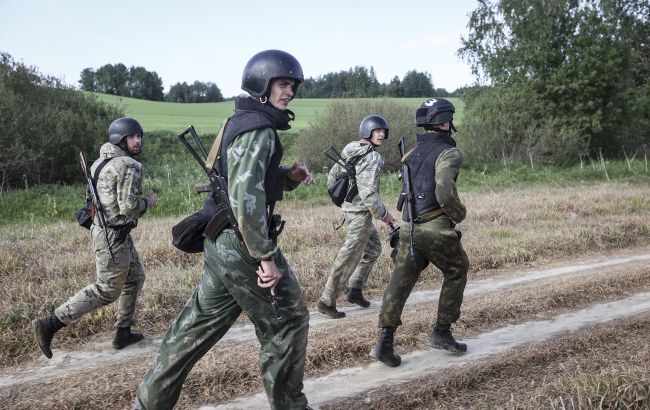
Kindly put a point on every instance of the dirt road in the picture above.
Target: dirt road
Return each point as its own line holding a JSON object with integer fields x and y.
{"x": 113, "y": 374}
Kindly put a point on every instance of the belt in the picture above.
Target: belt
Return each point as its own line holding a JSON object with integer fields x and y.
{"x": 429, "y": 216}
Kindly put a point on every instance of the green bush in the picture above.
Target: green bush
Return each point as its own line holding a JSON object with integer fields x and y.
{"x": 508, "y": 124}
{"x": 339, "y": 125}
{"x": 43, "y": 125}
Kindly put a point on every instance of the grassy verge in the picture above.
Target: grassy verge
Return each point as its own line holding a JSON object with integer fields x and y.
{"x": 41, "y": 265}
{"x": 173, "y": 174}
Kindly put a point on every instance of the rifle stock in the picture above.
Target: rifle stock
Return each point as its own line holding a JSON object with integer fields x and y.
{"x": 406, "y": 198}
{"x": 95, "y": 199}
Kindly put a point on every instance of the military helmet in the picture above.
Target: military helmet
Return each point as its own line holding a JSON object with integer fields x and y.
{"x": 370, "y": 123}
{"x": 434, "y": 111}
{"x": 122, "y": 127}
{"x": 267, "y": 65}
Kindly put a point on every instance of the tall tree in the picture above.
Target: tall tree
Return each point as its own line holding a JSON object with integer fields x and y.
{"x": 583, "y": 61}
{"x": 112, "y": 79}
{"x": 87, "y": 80}
{"x": 417, "y": 84}
{"x": 144, "y": 84}
{"x": 198, "y": 92}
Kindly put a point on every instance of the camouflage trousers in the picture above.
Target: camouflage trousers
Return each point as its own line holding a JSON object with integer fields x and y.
{"x": 356, "y": 257}
{"x": 122, "y": 279}
{"x": 436, "y": 242}
{"x": 229, "y": 286}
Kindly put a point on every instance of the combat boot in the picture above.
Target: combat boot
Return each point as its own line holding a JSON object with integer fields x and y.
{"x": 124, "y": 337}
{"x": 329, "y": 310}
{"x": 44, "y": 329}
{"x": 441, "y": 338}
{"x": 355, "y": 296}
{"x": 383, "y": 350}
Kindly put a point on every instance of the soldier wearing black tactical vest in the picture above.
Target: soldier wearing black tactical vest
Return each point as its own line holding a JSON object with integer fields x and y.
{"x": 434, "y": 164}
{"x": 242, "y": 268}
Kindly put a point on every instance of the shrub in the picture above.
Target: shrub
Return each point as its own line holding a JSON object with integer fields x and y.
{"x": 340, "y": 125}
{"x": 508, "y": 124}
{"x": 43, "y": 125}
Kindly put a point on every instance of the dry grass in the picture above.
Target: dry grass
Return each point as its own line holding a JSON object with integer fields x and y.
{"x": 227, "y": 372}
{"x": 42, "y": 265}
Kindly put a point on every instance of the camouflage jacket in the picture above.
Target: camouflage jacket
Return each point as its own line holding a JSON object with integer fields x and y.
{"x": 368, "y": 173}
{"x": 447, "y": 167}
{"x": 248, "y": 158}
{"x": 119, "y": 186}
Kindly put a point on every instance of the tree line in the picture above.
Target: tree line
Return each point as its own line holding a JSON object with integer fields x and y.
{"x": 138, "y": 82}
{"x": 362, "y": 82}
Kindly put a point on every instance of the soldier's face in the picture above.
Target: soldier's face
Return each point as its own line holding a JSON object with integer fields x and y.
{"x": 281, "y": 93}
{"x": 444, "y": 126}
{"x": 378, "y": 136}
{"x": 134, "y": 143}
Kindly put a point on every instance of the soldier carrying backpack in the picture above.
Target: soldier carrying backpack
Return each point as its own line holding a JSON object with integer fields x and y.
{"x": 362, "y": 245}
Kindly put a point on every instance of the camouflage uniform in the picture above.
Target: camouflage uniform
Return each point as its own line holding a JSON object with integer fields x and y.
{"x": 229, "y": 286}
{"x": 118, "y": 185}
{"x": 362, "y": 245}
{"x": 436, "y": 241}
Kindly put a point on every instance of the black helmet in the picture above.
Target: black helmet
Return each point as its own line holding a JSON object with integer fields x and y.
{"x": 434, "y": 111}
{"x": 267, "y": 65}
{"x": 370, "y": 123}
{"x": 122, "y": 127}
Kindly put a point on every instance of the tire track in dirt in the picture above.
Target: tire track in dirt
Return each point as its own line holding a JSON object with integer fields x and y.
{"x": 98, "y": 353}
{"x": 352, "y": 381}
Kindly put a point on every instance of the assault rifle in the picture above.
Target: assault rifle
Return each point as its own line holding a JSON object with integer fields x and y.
{"x": 219, "y": 189}
{"x": 96, "y": 206}
{"x": 407, "y": 195}
{"x": 217, "y": 184}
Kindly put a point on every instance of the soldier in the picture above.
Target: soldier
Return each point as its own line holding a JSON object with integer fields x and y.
{"x": 433, "y": 164}
{"x": 118, "y": 178}
{"x": 362, "y": 245}
{"x": 239, "y": 273}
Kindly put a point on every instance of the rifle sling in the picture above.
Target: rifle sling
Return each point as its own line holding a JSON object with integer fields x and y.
{"x": 98, "y": 170}
{"x": 431, "y": 215}
{"x": 406, "y": 155}
{"x": 93, "y": 208}
{"x": 216, "y": 147}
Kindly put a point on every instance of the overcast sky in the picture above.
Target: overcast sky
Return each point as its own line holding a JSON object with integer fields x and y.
{"x": 211, "y": 41}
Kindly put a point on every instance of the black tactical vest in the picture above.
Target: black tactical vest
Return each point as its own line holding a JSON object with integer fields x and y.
{"x": 251, "y": 115}
{"x": 422, "y": 166}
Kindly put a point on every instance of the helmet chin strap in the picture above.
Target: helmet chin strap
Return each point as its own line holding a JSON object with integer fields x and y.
{"x": 369, "y": 142}
{"x": 263, "y": 99}
{"x": 447, "y": 131}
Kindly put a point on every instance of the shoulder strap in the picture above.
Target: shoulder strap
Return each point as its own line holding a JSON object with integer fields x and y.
{"x": 99, "y": 169}
{"x": 405, "y": 157}
{"x": 216, "y": 147}
{"x": 355, "y": 160}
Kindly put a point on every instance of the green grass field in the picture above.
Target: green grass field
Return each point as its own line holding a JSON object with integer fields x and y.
{"x": 207, "y": 117}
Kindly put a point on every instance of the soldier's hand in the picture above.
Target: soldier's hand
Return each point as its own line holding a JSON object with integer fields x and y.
{"x": 300, "y": 173}
{"x": 268, "y": 275}
{"x": 388, "y": 219}
{"x": 152, "y": 199}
